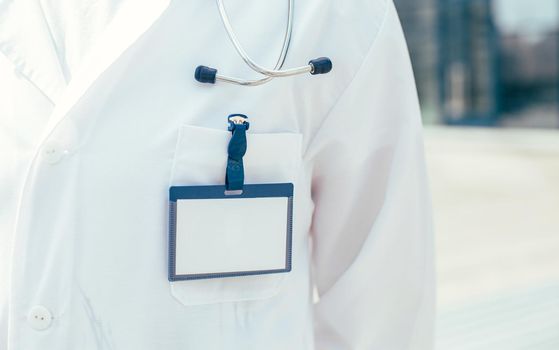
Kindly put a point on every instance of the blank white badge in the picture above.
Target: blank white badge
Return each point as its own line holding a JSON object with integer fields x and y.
{"x": 214, "y": 235}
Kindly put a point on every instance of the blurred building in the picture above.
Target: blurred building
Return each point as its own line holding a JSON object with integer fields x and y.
{"x": 419, "y": 18}
{"x": 474, "y": 66}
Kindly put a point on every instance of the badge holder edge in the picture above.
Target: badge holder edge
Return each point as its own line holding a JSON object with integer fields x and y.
{"x": 218, "y": 192}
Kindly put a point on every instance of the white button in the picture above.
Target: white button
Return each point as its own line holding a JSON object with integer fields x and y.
{"x": 53, "y": 152}
{"x": 39, "y": 318}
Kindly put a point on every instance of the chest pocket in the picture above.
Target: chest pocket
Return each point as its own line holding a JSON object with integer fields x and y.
{"x": 200, "y": 159}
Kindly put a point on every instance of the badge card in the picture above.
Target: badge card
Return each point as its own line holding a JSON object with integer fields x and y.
{"x": 213, "y": 233}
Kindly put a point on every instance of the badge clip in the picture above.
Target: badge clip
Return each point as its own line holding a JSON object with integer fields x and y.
{"x": 235, "y": 174}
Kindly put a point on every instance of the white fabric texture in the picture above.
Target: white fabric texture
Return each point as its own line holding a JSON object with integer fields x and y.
{"x": 100, "y": 115}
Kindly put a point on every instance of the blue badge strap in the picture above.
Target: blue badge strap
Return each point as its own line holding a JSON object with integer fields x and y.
{"x": 235, "y": 174}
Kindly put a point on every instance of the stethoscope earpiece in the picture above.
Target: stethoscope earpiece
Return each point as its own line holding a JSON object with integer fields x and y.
{"x": 321, "y": 65}
{"x": 203, "y": 74}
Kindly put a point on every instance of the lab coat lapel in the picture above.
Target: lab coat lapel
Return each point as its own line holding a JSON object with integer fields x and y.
{"x": 26, "y": 41}
{"x": 128, "y": 25}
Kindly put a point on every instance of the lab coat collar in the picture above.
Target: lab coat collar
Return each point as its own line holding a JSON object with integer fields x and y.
{"x": 133, "y": 20}
{"x": 25, "y": 39}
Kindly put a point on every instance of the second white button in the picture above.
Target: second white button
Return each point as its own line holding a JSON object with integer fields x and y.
{"x": 39, "y": 318}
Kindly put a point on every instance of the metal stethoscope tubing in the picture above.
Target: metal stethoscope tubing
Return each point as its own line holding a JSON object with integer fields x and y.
{"x": 233, "y": 38}
{"x": 209, "y": 75}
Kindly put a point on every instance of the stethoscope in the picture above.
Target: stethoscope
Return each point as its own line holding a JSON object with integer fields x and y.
{"x": 205, "y": 74}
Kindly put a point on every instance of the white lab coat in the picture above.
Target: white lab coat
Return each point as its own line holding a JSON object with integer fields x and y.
{"x": 100, "y": 114}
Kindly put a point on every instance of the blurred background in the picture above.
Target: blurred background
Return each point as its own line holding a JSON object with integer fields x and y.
{"x": 488, "y": 80}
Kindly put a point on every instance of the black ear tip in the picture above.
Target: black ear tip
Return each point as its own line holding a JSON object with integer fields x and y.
{"x": 321, "y": 65}
{"x": 205, "y": 74}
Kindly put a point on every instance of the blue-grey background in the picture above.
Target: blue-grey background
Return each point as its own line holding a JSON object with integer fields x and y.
{"x": 488, "y": 79}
